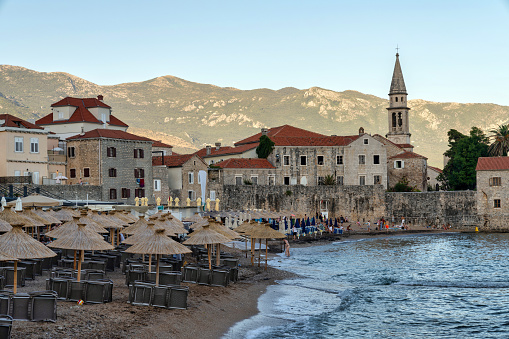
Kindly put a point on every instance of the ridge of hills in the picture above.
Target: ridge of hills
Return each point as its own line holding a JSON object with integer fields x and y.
{"x": 190, "y": 115}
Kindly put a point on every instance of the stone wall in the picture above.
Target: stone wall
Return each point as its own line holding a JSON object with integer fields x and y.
{"x": 457, "y": 208}
{"x": 69, "y": 192}
{"x": 355, "y": 202}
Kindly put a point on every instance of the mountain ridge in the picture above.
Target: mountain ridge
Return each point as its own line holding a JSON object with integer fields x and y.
{"x": 194, "y": 114}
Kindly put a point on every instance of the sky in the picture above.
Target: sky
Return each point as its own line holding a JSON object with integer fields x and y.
{"x": 450, "y": 51}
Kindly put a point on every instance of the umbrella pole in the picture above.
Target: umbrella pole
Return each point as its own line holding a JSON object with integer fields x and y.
{"x": 260, "y": 252}
{"x": 208, "y": 252}
{"x": 266, "y": 251}
{"x": 218, "y": 255}
{"x": 246, "y": 248}
{"x": 74, "y": 265}
{"x": 112, "y": 236}
{"x": 252, "y": 251}
{"x": 149, "y": 263}
{"x": 15, "y": 288}
{"x": 118, "y": 236}
{"x": 157, "y": 269}
{"x": 82, "y": 254}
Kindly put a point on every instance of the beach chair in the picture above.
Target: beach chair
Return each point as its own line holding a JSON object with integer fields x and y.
{"x": 170, "y": 278}
{"x": 5, "y": 326}
{"x": 43, "y": 306}
{"x": 190, "y": 274}
{"x": 159, "y": 296}
{"x": 20, "y": 306}
{"x": 204, "y": 276}
{"x": 142, "y": 294}
{"x": 2, "y": 282}
{"x": 9, "y": 276}
{"x": 230, "y": 262}
{"x": 132, "y": 276}
{"x": 178, "y": 298}
{"x": 76, "y": 290}
{"x": 95, "y": 275}
{"x": 219, "y": 278}
{"x": 234, "y": 274}
{"x": 150, "y": 277}
{"x": 37, "y": 266}
{"x": 98, "y": 292}
{"x": 5, "y": 302}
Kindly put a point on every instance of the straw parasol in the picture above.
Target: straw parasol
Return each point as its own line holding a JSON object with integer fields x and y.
{"x": 129, "y": 216}
{"x": 179, "y": 224}
{"x": 107, "y": 221}
{"x": 17, "y": 244}
{"x": 206, "y": 236}
{"x": 141, "y": 233}
{"x": 265, "y": 232}
{"x": 36, "y": 200}
{"x": 80, "y": 239}
{"x": 12, "y": 217}
{"x": 63, "y": 214}
{"x": 5, "y": 226}
{"x": 214, "y": 225}
{"x": 130, "y": 230}
{"x": 158, "y": 243}
{"x": 48, "y": 216}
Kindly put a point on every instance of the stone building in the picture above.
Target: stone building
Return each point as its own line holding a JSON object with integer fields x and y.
{"x": 72, "y": 116}
{"x": 433, "y": 173}
{"x": 178, "y": 176}
{"x": 247, "y": 172}
{"x": 212, "y": 155}
{"x": 24, "y": 150}
{"x": 493, "y": 190}
{"x": 120, "y": 162}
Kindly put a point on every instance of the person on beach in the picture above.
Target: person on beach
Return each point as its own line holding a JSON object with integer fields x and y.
{"x": 368, "y": 224}
{"x": 387, "y": 227}
{"x": 287, "y": 248}
{"x": 294, "y": 232}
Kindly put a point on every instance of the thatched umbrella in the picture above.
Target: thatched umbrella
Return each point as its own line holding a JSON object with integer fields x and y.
{"x": 5, "y": 226}
{"x": 63, "y": 214}
{"x": 265, "y": 232}
{"x": 12, "y": 217}
{"x": 130, "y": 230}
{"x": 17, "y": 244}
{"x": 46, "y": 215}
{"x": 80, "y": 239}
{"x": 245, "y": 229}
{"x": 158, "y": 243}
{"x": 108, "y": 222}
{"x": 129, "y": 216}
{"x": 215, "y": 226}
{"x": 206, "y": 236}
{"x": 36, "y": 200}
{"x": 141, "y": 233}
{"x": 124, "y": 217}
{"x": 178, "y": 224}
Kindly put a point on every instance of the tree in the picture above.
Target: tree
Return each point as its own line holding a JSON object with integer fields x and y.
{"x": 403, "y": 186}
{"x": 500, "y": 145}
{"x": 329, "y": 180}
{"x": 265, "y": 147}
{"x": 463, "y": 152}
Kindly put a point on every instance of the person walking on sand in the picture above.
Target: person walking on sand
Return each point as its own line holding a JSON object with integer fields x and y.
{"x": 368, "y": 224}
{"x": 287, "y": 248}
{"x": 294, "y": 232}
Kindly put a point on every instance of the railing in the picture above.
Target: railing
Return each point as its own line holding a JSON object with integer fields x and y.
{"x": 16, "y": 180}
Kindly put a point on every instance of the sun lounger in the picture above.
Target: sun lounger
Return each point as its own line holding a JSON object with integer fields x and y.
{"x": 190, "y": 274}
{"x": 178, "y": 297}
{"x": 43, "y": 306}
{"x": 219, "y": 278}
{"x": 20, "y": 306}
{"x": 204, "y": 276}
{"x": 5, "y": 326}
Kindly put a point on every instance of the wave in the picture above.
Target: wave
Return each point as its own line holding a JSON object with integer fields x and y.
{"x": 456, "y": 284}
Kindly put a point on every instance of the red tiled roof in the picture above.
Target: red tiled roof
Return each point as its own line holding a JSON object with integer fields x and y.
{"x": 117, "y": 122}
{"x": 83, "y": 114}
{"x": 171, "y": 160}
{"x": 281, "y": 131}
{"x": 387, "y": 141}
{"x": 225, "y": 150}
{"x": 12, "y": 121}
{"x": 85, "y": 102}
{"x": 492, "y": 164}
{"x": 435, "y": 169}
{"x": 407, "y": 155}
{"x": 245, "y": 163}
{"x": 315, "y": 141}
{"x": 404, "y": 145}
{"x": 110, "y": 134}
{"x": 158, "y": 143}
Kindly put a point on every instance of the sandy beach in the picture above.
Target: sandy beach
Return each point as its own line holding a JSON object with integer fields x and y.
{"x": 211, "y": 312}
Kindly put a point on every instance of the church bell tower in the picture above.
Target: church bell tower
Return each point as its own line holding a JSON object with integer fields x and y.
{"x": 399, "y": 131}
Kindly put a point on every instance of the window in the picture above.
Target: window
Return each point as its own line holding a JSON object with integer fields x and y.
{"x": 321, "y": 181}
{"x": 191, "y": 177}
{"x": 396, "y": 99}
{"x": 377, "y": 180}
{"x": 157, "y": 185}
{"x": 34, "y": 145}
{"x": 139, "y": 173}
{"x": 18, "y": 144}
{"x": 366, "y": 141}
{"x": 212, "y": 195}
{"x": 72, "y": 173}
{"x": 286, "y": 180}
{"x": 496, "y": 203}
{"x": 238, "y": 180}
{"x": 112, "y": 172}
{"x": 104, "y": 117}
{"x": 303, "y": 160}
{"x": 254, "y": 179}
{"x": 320, "y": 160}
{"x": 17, "y": 173}
{"x": 362, "y": 180}
{"x": 126, "y": 193}
{"x": 139, "y": 153}
{"x": 362, "y": 159}
{"x": 271, "y": 180}
{"x": 339, "y": 160}
{"x": 111, "y": 152}
{"x": 191, "y": 195}
{"x": 71, "y": 152}
{"x": 113, "y": 194}
{"x": 139, "y": 193}
{"x": 286, "y": 160}
{"x": 376, "y": 159}
{"x": 60, "y": 115}
{"x": 35, "y": 178}
{"x": 339, "y": 180}
{"x": 199, "y": 179}
{"x": 496, "y": 181}
{"x": 86, "y": 172}
{"x": 399, "y": 164}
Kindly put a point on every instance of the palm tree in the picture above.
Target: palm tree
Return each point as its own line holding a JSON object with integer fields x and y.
{"x": 500, "y": 144}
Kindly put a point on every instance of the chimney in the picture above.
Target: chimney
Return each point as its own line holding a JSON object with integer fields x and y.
{"x": 100, "y": 97}
{"x": 265, "y": 131}
{"x": 218, "y": 145}
{"x": 209, "y": 149}
{"x": 82, "y": 130}
{"x": 361, "y": 131}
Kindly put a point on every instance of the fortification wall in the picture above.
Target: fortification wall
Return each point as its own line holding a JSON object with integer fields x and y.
{"x": 70, "y": 192}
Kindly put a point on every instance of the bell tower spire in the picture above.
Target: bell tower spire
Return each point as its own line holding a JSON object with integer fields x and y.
{"x": 399, "y": 129}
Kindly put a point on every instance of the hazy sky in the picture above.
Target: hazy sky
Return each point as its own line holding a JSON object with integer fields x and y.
{"x": 449, "y": 50}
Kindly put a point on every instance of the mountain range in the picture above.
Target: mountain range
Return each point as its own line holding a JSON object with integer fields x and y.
{"x": 191, "y": 115}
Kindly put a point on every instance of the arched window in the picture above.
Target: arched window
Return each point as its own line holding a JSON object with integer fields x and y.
{"x": 393, "y": 120}
{"x": 400, "y": 120}
{"x": 396, "y": 99}
{"x": 402, "y": 99}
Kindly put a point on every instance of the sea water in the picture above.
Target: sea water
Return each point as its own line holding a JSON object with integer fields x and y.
{"x": 416, "y": 286}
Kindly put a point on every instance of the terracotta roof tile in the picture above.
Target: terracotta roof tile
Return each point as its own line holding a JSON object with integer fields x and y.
{"x": 315, "y": 141}
{"x": 12, "y": 121}
{"x": 110, "y": 134}
{"x": 405, "y": 145}
{"x": 117, "y": 122}
{"x": 171, "y": 160}
{"x": 225, "y": 150}
{"x": 435, "y": 169}
{"x": 407, "y": 155}
{"x": 492, "y": 164}
{"x": 158, "y": 143}
{"x": 245, "y": 163}
{"x": 86, "y": 102}
{"x": 281, "y": 131}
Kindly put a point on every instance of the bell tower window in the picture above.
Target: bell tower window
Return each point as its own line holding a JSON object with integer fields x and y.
{"x": 396, "y": 99}
{"x": 393, "y": 120}
{"x": 400, "y": 120}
